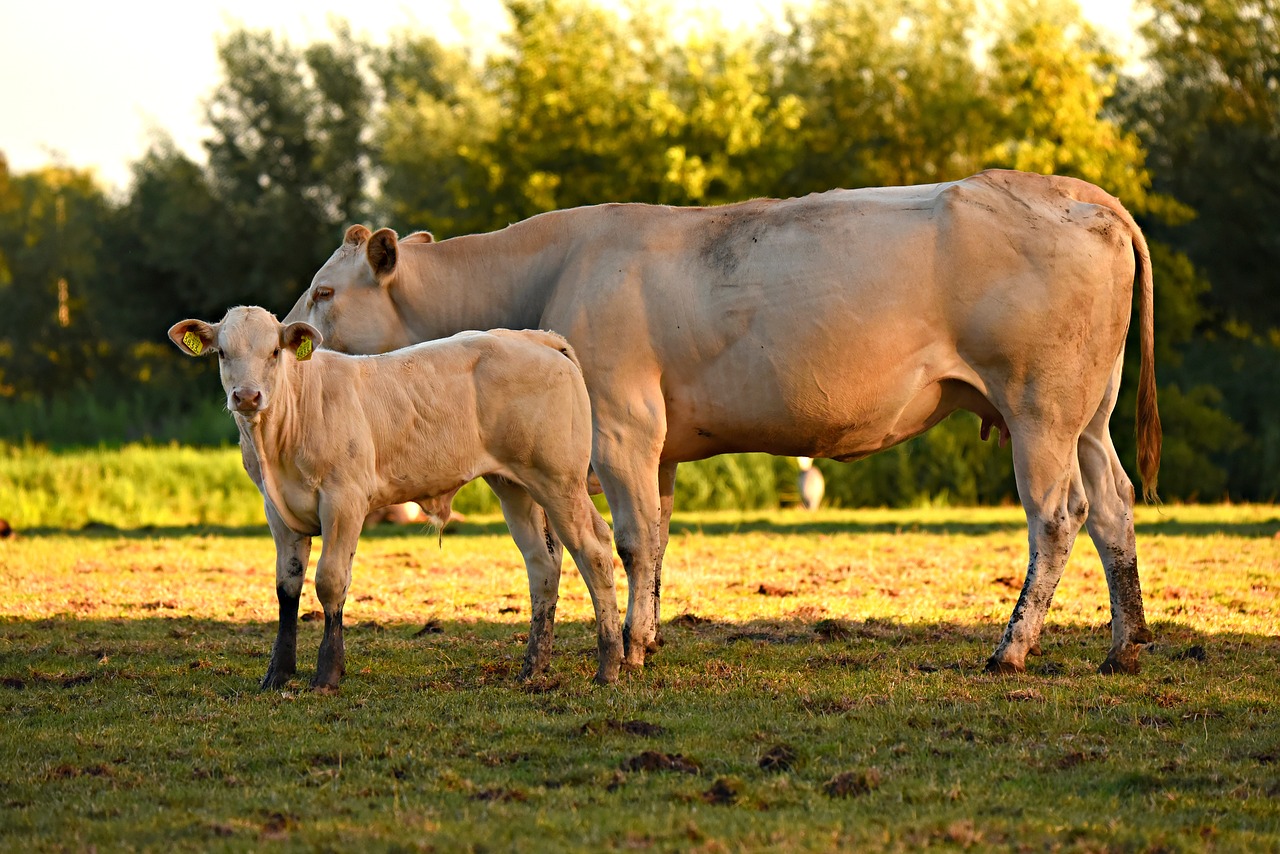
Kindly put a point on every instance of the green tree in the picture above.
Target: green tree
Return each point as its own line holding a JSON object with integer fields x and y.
{"x": 1209, "y": 113}
{"x": 51, "y": 226}
{"x": 289, "y": 157}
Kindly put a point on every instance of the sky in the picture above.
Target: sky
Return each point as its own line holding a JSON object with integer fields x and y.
{"x": 91, "y": 85}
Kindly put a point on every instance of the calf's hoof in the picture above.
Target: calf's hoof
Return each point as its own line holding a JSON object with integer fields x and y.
{"x": 1143, "y": 635}
{"x": 327, "y": 689}
{"x": 275, "y": 679}
{"x": 605, "y": 677}
{"x": 1004, "y": 666}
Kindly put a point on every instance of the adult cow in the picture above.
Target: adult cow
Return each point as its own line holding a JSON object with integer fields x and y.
{"x": 834, "y": 325}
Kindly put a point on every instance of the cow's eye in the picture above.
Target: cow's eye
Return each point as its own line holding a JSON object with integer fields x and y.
{"x": 275, "y": 353}
{"x": 323, "y": 294}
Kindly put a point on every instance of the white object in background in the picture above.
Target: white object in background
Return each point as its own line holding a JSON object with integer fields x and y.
{"x": 811, "y": 484}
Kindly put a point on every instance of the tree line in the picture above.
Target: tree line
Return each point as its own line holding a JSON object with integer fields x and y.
{"x": 582, "y": 105}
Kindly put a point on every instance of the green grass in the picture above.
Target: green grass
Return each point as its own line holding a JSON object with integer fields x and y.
{"x": 129, "y": 662}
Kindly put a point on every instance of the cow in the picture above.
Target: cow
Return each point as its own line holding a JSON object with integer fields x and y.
{"x": 834, "y": 325}
{"x": 327, "y": 437}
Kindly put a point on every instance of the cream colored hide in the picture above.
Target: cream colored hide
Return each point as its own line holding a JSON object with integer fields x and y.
{"x": 835, "y": 325}
{"x": 328, "y": 437}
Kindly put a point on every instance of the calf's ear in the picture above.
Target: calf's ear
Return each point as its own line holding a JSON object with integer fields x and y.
{"x": 382, "y": 253}
{"x": 194, "y": 337}
{"x": 356, "y": 235}
{"x": 300, "y": 339}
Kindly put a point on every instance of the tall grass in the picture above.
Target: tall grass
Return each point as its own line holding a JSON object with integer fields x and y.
{"x": 139, "y": 485}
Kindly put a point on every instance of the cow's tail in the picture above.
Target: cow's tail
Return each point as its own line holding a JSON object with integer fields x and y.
{"x": 1150, "y": 436}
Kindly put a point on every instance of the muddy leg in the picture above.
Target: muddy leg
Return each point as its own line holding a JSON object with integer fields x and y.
{"x": 1110, "y": 526}
{"x": 1052, "y": 493}
{"x": 292, "y": 553}
{"x": 543, "y": 555}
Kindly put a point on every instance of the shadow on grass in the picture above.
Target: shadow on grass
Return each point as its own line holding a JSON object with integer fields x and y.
{"x": 763, "y": 523}
{"x": 66, "y": 651}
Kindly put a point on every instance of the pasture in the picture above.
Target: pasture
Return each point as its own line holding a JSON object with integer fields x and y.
{"x": 820, "y": 689}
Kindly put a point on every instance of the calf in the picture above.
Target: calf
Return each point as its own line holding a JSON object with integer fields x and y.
{"x": 328, "y": 437}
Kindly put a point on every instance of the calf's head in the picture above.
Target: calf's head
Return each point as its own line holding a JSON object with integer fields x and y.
{"x": 252, "y": 347}
{"x": 350, "y": 300}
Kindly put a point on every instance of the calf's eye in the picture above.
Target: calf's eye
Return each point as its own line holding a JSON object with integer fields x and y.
{"x": 323, "y": 294}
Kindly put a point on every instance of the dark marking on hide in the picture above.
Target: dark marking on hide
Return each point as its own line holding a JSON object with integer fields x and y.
{"x": 731, "y": 235}
{"x": 353, "y": 448}
{"x": 551, "y": 542}
{"x": 706, "y": 434}
{"x": 296, "y": 569}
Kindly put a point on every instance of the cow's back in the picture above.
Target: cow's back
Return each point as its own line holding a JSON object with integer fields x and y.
{"x": 804, "y": 325}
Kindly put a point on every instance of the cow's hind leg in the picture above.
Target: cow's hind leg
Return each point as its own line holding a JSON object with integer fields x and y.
{"x": 1053, "y": 495}
{"x": 293, "y": 550}
{"x": 1110, "y": 525}
{"x": 543, "y": 555}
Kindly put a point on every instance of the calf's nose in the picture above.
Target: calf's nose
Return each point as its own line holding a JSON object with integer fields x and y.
{"x": 246, "y": 400}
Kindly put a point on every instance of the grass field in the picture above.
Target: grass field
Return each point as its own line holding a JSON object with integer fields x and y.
{"x": 820, "y": 689}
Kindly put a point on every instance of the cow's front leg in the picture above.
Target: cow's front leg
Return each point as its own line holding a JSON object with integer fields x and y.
{"x": 340, "y": 532}
{"x": 632, "y": 491}
{"x": 293, "y": 550}
{"x": 666, "y": 503}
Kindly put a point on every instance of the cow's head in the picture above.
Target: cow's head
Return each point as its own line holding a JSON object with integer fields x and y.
{"x": 253, "y": 348}
{"x": 349, "y": 300}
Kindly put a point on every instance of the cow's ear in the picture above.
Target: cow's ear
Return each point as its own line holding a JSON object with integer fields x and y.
{"x": 382, "y": 253}
{"x": 194, "y": 337}
{"x": 419, "y": 237}
{"x": 300, "y": 339}
{"x": 356, "y": 235}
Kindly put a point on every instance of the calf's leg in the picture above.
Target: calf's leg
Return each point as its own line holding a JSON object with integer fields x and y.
{"x": 587, "y": 538}
{"x": 340, "y": 532}
{"x": 292, "y": 553}
{"x": 543, "y": 555}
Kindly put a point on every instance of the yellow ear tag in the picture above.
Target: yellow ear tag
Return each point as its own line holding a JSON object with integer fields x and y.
{"x": 193, "y": 342}
{"x": 304, "y": 350}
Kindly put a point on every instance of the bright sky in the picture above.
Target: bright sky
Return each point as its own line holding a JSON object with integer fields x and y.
{"x": 90, "y": 83}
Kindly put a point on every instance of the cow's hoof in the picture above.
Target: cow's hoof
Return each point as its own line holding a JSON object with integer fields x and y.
{"x": 1035, "y": 649}
{"x": 1121, "y": 661}
{"x": 1143, "y": 635}
{"x": 1004, "y": 667}
{"x": 603, "y": 677}
{"x": 532, "y": 670}
{"x": 327, "y": 689}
